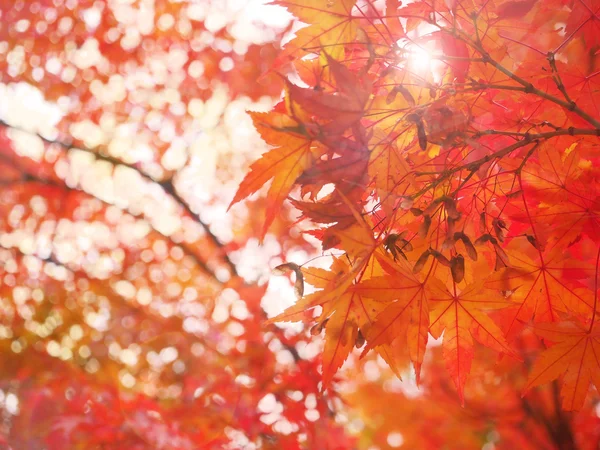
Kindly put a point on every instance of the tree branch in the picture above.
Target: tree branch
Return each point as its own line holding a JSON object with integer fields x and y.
{"x": 167, "y": 185}
{"x": 529, "y": 87}
{"x": 529, "y": 139}
{"x": 30, "y": 178}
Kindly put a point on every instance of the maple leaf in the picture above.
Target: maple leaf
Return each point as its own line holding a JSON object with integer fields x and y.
{"x": 583, "y": 20}
{"x": 352, "y": 314}
{"x": 460, "y": 315}
{"x": 338, "y": 110}
{"x": 406, "y": 318}
{"x": 333, "y": 284}
{"x": 389, "y": 169}
{"x": 344, "y": 313}
{"x": 557, "y": 184}
{"x": 341, "y": 332}
{"x": 331, "y": 26}
{"x": 575, "y": 356}
{"x": 538, "y": 288}
{"x": 293, "y": 153}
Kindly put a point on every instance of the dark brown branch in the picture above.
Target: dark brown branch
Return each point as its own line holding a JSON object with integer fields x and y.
{"x": 557, "y": 79}
{"x": 167, "y": 185}
{"x": 30, "y": 178}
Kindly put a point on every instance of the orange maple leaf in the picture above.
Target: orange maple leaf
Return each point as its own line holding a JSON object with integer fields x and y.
{"x": 332, "y": 26}
{"x": 537, "y": 287}
{"x": 293, "y": 153}
{"x": 406, "y": 318}
{"x": 459, "y": 314}
{"x": 389, "y": 168}
{"x": 575, "y": 356}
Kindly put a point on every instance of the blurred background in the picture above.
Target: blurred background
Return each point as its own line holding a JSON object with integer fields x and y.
{"x": 131, "y": 303}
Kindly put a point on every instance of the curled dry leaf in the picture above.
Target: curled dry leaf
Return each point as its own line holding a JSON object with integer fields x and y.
{"x": 396, "y": 244}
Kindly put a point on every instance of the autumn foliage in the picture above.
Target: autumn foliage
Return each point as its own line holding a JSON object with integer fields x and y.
{"x": 443, "y": 155}
{"x": 446, "y": 155}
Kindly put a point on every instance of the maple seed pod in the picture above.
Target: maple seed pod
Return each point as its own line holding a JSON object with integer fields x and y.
{"x": 360, "y": 340}
{"x": 421, "y": 261}
{"x": 457, "y": 268}
{"x": 482, "y": 222}
{"x": 441, "y": 258}
{"x": 317, "y": 328}
{"x": 451, "y": 222}
{"x": 448, "y": 243}
{"x": 299, "y": 283}
{"x": 405, "y": 94}
{"x": 533, "y": 241}
{"x": 501, "y": 254}
{"x": 450, "y": 206}
{"x": 424, "y": 228}
{"x": 391, "y": 96}
{"x": 406, "y": 203}
{"x": 414, "y": 118}
{"x": 499, "y": 263}
{"x": 432, "y": 207}
{"x": 483, "y": 239}
{"x": 406, "y": 245}
{"x": 499, "y": 228}
{"x": 422, "y": 136}
{"x": 469, "y": 247}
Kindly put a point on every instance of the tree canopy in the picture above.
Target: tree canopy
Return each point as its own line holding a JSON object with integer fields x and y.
{"x": 424, "y": 173}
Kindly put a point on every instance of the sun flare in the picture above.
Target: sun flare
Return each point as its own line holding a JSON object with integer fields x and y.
{"x": 419, "y": 59}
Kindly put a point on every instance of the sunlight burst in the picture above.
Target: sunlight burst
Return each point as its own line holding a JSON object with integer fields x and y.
{"x": 419, "y": 59}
